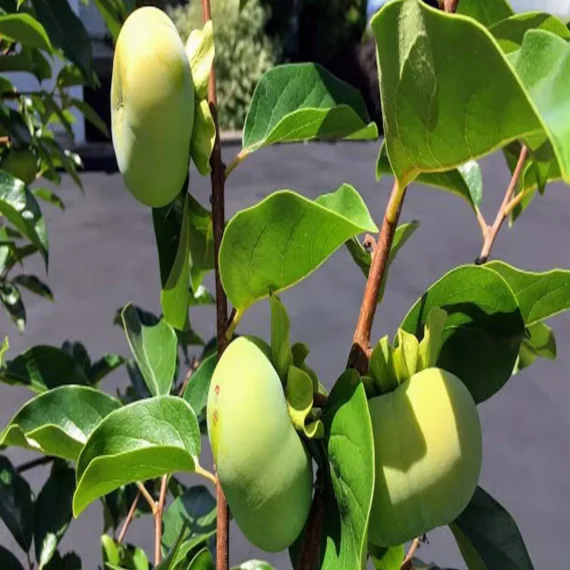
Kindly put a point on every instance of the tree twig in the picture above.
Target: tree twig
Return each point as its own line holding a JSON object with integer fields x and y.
{"x": 217, "y": 178}
{"x": 34, "y": 463}
{"x": 147, "y": 496}
{"x": 310, "y": 551}
{"x": 129, "y": 519}
{"x": 407, "y": 563}
{"x": 241, "y": 156}
{"x": 449, "y": 5}
{"x": 158, "y": 520}
{"x": 502, "y": 214}
{"x": 360, "y": 351}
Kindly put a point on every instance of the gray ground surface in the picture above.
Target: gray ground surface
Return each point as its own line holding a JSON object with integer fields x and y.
{"x": 103, "y": 255}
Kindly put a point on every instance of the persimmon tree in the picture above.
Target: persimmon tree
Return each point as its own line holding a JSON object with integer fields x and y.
{"x": 346, "y": 477}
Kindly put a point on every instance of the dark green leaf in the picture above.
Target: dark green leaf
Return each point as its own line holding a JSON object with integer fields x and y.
{"x": 35, "y": 285}
{"x": 113, "y": 13}
{"x": 122, "y": 555}
{"x": 510, "y": 32}
{"x": 154, "y": 348}
{"x": 387, "y": 558}
{"x": 12, "y": 301}
{"x": 67, "y": 32}
{"x": 58, "y": 422}
{"x": 488, "y": 537}
{"x": 193, "y": 514}
{"x": 303, "y": 101}
{"x": 281, "y": 354}
{"x": 539, "y": 295}
{"x": 483, "y": 318}
{"x": 539, "y": 343}
{"x": 105, "y": 365}
{"x": 69, "y": 76}
{"x": 52, "y": 514}
{"x": 8, "y": 561}
{"x": 363, "y": 258}
{"x": 201, "y": 297}
{"x": 24, "y": 29}
{"x": 42, "y": 368}
{"x": 49, "y": 197}
{"x": 68, "y": 562}
{"x": 201, "y": 241}
{"x": 284, "y": 238}
{"x": 21, "y": 209}
{"x": 141, "y": 441}
{"x": 204, "y": 561}
{"x": 487, "y": 12}
{"x": 28, "y": 60}
{"x": 91, "y": 115}
{"x": 196, "y": 392}
{"x": 350, "y": 479}
{"x": 16, "y": 504}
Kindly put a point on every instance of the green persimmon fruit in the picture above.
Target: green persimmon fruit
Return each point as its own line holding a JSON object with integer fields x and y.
{"x": 263, "y": 467}
{"x": 428, "y": 446}
{"x": 21, "y": 164}
{"x": 152, "y": 107}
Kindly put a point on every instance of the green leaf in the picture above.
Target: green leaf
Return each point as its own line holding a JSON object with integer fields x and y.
{"x": 105, "y": 365}
{"x": 405, "y": 355}
{"x": 58, "y": 422}
{"x": 113, "y": 13}
{"x": 91, "y": 115}
{"x": 16, "y": 504}
{"x": 201, "y": 241}
{"x": 487, "y": 12}
{"x": 67, "y": 32}
{"x": 8, "y": 561}
{"x": 28, "y": 60}
{"x": 11, "y": 299}
{"x": 42, "y": 368}
{"x": 49, "y": 197}
{"x": 154, "y": 348}
{"x": 281, "y": 354}
{"x": 68, "y": 562}
{"x": 3, "y": 349}
{"x": 52, "y": 514}
{"x": 21, "y": 209}
{"x": 433, "y": 119}
{"x": 511, "y": 31}
{"x": 24, "y": 29}
{"x": 269, "y": 247}
{"x": 193, "y": 514}
{"x": 303, "y": 101}
{"x": 122, "y": 555}
{"x": 196, "y": 392}
{"x": 539, "y": 343}
{"x": 254, "y": 564}
{"x": 350, "y": 453}
{"x": 202, "y": 561}
{"x": 488, "y": 537}
{"x": 35, "y": 285}
{"x": 483, "y": 318}
{"x": 382, "y": 367}
{"x": 430, "y": 346}
{"x": 465, "y": 181}
{"x": 141, "y": 441}
{"x": 539, "y": 295}
{"x": 387, "y": 558}
{"x": 299, "y": 395}
{"x": 69, "y": 76}
{"x": 203, "y": 137}
{"x": 363, "y": 258}
{"x": 201, "y": 50}
{"x": 201, "y": 297}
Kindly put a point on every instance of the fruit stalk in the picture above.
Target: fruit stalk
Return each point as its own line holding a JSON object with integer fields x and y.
{"x": 218, "y": 219}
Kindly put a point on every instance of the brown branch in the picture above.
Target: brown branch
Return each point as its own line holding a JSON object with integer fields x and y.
{"x": 407, "y": 564}
{"x": 147, "y": 496}
{"x": 310, "y": 551}
{"x": 217, "y": 178}
{"x": 319, "y": 400}
{"x": 34, "y": 463}
{"x": 449, "y": 5}
{"x": 158, "y": 520}
{"x": 360, "y": 351}
{"x": 504, "y": 210}
{"x": 129, "y": 519}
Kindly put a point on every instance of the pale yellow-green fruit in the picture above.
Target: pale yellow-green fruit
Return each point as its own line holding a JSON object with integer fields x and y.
{"x": 152, "y": 107}
{"x": 21, "y": 164}
{"x": 262, "y": 464}
{"x": 427, "y": 443}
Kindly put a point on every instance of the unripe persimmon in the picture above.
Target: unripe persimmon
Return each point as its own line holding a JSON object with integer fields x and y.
{"x": 152, "y": 107}
{"x": 427, "y": 444}
{"x": 262, "y": 464}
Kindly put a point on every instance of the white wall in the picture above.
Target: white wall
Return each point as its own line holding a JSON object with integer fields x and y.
{"x": 27, "y": 82}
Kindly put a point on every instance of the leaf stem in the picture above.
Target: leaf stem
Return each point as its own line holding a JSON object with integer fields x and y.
{"x": 147, "y": 496}
{"x": 493, "y": 231}
{"x": 233, "y": 322}
{"x": 158, "y": 520}
{"x": 360, "y": 351}
{"x": 407, "y": 563}
{"x": 207, "y": 474}
{"x": 129, "y": 519}
{"x": 34, "y": 463}
{"x": 241, "y": 156}
{"x": 482, "y": 222}
{"x": 217, "y": 178}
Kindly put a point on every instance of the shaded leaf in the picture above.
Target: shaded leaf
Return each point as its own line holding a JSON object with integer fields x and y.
{"x": 58, "y": 422}
{"x": 141, "y": 441}
{"x": 201, "y": 297}
{"x": 16, "y": 504}
{"x": 42, "y": 368}
{"x": 303, "y": 101}
{"x": 269, "y": 247}
{"x": 35, "y": 285}
{"x": 539, "y": 343}
{"x": 196, "y": 392}
{"x": 68, "y": 562}
{"x": 488, "y": 537}
{"x": 483, "y": 318}
{"x": 105, "y": 365}
{"x": 52, "y": 514}
{"x": 154, "y": 348}
{"x": 487, "y": 12}
{"x": 203, "y": 137}
{"x": 8, "y": 561}
{"x": 202, "y": 561}
{"x": 49, "y": 197}
{"x": 91, "y": 115}
{"x": 11, "y": 299}
{"x": 281, "y": 354}
{"x": 201, "y": 241}
{"x": 24, "y": 29}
